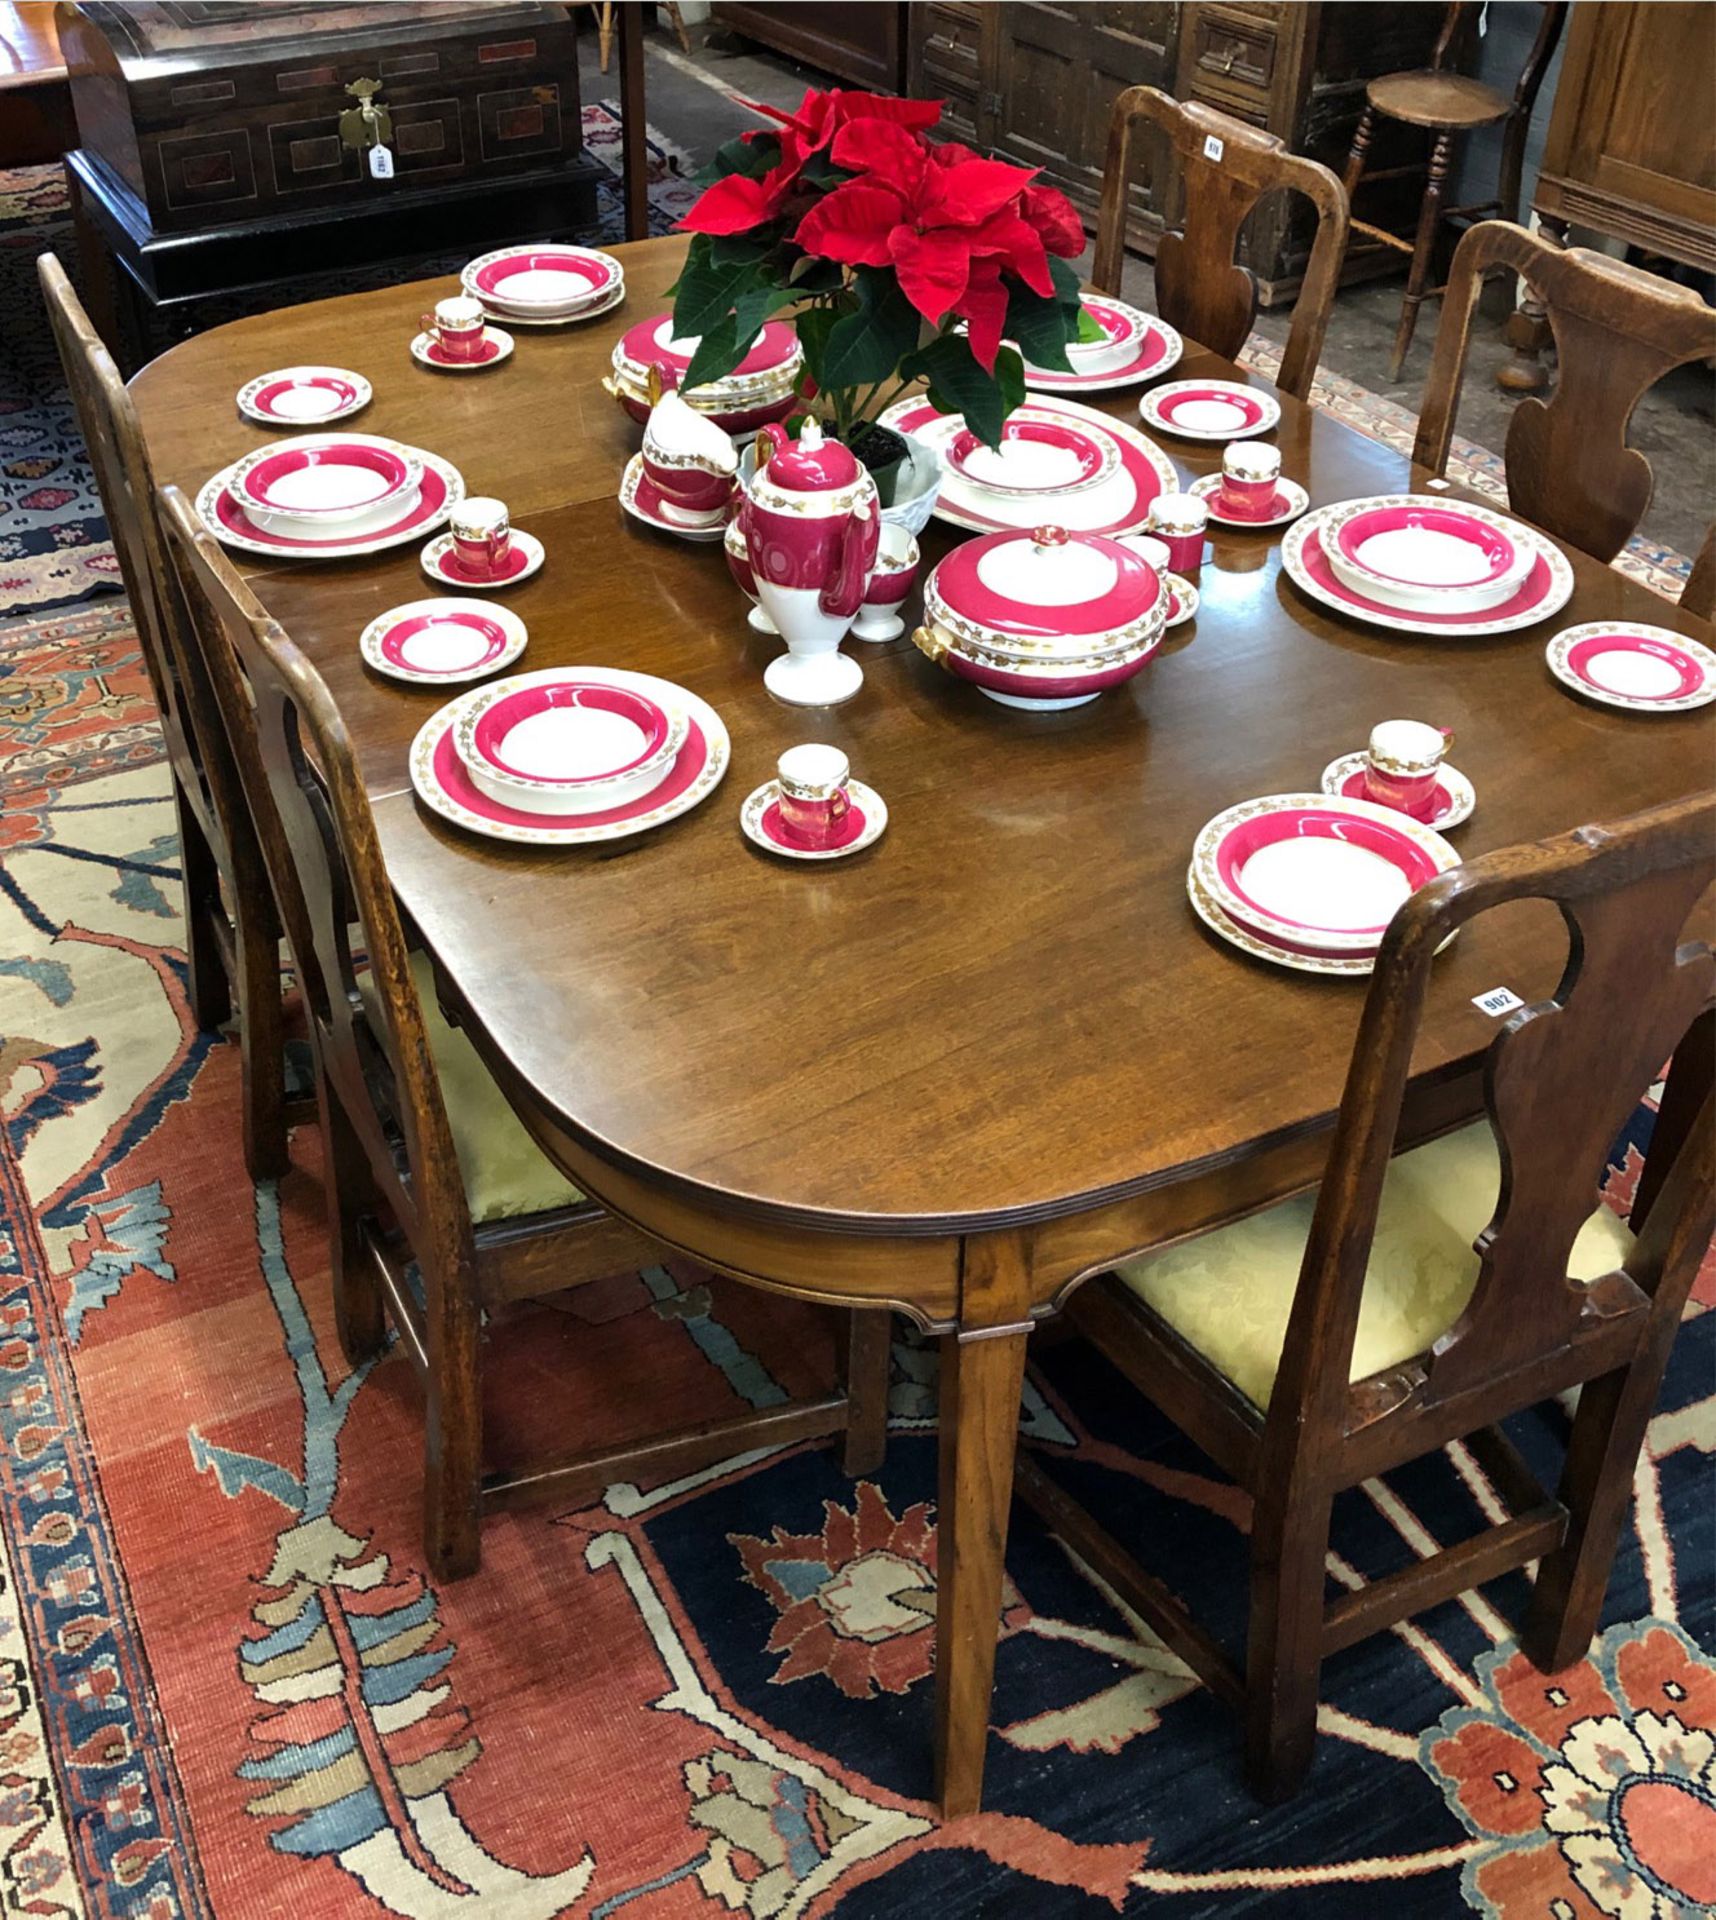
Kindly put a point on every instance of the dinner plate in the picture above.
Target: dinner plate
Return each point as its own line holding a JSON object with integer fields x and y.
{"x": 303, "y": 396}
{"x": 322, "y": 484}
{"x": 568, "y": 744}
{"x": 1035, "y": 456}
{"x": 1545, "y": 590}
{"x": 442, "y": 489}
{"x": 515, "y": 317}
{"x": 1321, "y": 874}
{"x": 442, "y": 642}
{"x": 440, "y": 560}
{"x": 1210, "y": 410}
{"x": 1290, "y": 500}
{"x": 760, "y": 822}
{"x": 1643, "y": 669}
{"x": 1140, "y": 347}
{"x": 642, "y": 500}
{"x": 1277, "y": 953}
{"x": 1429, "y": 555}
{"x": 548, "y": 280}
{"x": 1117, "y": 504}
{"x": 1455, "y": 795}
{"x": 444, "y": 786}
{"x": 427, "y": 351}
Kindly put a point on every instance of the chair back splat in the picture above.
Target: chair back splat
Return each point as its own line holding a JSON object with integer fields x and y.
{"x": 1225, "y": 168}
{"x": 1617, "y": 331}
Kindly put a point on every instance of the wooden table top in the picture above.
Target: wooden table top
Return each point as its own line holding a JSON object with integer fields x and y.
{"x": 1003, "y": 1012}
{"x": 29, "y": 45}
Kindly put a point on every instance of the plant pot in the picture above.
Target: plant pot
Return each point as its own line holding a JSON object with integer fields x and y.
{"x": 883, "y": 452}
{"x": 917, "y": 486}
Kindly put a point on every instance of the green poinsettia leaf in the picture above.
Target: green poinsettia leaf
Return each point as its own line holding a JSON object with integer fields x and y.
{"x": 868, "y": 344}
{"x": 958, "y": 383}
{"x": 718, "y": 353}
{"x": 1089, "y": 327}
{"x": 1010, "y": 378}
{"x": 753, "y": 307}
{"x": 707, "y": 290}
{"x": 811, "y": 275}
{"x": 813, "y": 326}
{"x": 738, "y": 249}
{"x": 753, "y": 158}
{"x": 1069, "y": 289}
{"x": 1040, "y": 327}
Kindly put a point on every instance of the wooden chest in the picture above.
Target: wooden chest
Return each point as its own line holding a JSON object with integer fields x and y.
{"x": 202, "y": 113}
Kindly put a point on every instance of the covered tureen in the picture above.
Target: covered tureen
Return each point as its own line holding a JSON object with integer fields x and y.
{"x": 759, "y": 388}
{"x": 1045, "y": 618}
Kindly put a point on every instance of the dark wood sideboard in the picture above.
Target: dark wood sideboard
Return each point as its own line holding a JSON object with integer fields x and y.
{"x": 862, "y": 44}
{"x": 1034, "y": 83}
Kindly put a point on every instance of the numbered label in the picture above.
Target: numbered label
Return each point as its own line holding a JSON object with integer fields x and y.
{"x": 1213, "y": 148}
{"x": 1497, "y": 1001}
{"x": 380, "y": 163}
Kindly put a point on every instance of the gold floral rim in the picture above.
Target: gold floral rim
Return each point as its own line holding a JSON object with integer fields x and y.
{"x": 1219, "y": 923}
{"x": 473, "y": 709}
{"x": 209, "y": 494}
{"x": 1044, "y": 666}
{"x": 977, "y": 638}
{"x": 1559, "y": 650}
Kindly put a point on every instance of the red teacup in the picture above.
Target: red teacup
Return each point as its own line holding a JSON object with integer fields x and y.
{"x": 482, "y": 536}
{"x": 456, "y": 327}
{"x": 694, "y": 489}
{"x": 814, "y": 799}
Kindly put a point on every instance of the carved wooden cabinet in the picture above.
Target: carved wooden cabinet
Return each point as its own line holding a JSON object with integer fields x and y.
{"x": 863, "y": 44}
{"x": 1034, "y": 83}
{"x": 1632, "y": 141}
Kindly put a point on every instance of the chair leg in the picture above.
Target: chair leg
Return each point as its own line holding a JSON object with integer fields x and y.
{"x": 360, "y": 1314}
{"x": 1512, "y": 167}
{"x": 1429, "y": 221}
{"x": 207, "y": 986}
{"x": 261, "y": 1046}
{"x": 1596, "y": 1485}
{"x": 1360, "y": 151}
{"x": 605, "y": 31}
{"x": 1284, "y": 1641}
{"x": 453, "y": 1393}
{"x": 868, "y": 1346}
{"x": 677, "y": 16}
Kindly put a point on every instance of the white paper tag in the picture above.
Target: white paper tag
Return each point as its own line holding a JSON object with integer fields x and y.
{"x": 1213, "y": 148}
{"x": 1497, "y": 1001}
{"x": 381, "y": 163}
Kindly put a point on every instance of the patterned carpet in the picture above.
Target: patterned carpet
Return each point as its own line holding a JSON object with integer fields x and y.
{"x": 229, "y": 1691}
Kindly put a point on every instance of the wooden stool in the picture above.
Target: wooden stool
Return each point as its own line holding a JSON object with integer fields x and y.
{"x": 1448, "y": 104}
{"x": 604, "y": 12}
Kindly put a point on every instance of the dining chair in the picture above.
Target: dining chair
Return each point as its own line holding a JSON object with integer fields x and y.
{"x": 232, "y": 939}
{"x": 1699, "y": 594}
{"x": 1225, "y": 168}
{"x": 1447, "y": 104}
{"x": 1413, "y": 1301}
{"x": 1617, "y": 331}
{"x": 429, "y": 1170}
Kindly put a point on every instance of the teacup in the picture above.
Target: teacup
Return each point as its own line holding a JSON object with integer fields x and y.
{"x": 1250, "y": 478}
{"x": 456, "y": 327}
{"x": 815, "y": 799}
{"x": 890, "y": 581}
{"x": 739, "y": 566}
{"x": 688, "y": 459}
{"x": 482, "y": 536}
{"x": 1179, "y": 521}
{"x": 1401, "y": 763}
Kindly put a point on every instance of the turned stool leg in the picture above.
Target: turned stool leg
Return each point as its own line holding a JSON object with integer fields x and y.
{"x": 1360, "y": 150}
{"x": 1429, "y": 220}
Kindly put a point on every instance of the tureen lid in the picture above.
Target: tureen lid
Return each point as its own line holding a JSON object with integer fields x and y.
{"x": 653, "y": 343}
{"x": 811, "y": 464}
{"x": 1047, "y": 584}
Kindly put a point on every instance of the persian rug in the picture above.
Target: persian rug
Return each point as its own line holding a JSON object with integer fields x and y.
{"x": 54, "y": 549}
{"x": 229, "y": 1689}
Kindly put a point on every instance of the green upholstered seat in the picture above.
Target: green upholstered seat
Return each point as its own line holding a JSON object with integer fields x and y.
{"x": 1229, "y": 1293}
{"x": 505, "y": 1172}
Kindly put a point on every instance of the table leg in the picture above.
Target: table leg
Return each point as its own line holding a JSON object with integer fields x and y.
{"x": 982, "y": 1374}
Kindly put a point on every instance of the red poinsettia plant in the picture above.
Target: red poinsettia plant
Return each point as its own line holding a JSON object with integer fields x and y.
{"x": 902, "y": 259}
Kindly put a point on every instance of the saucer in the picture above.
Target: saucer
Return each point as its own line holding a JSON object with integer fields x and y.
{"x": 1183, "y": 600}
{"x": 442, "y": 642}
{"x": 639, "y": 497}
{"x": 1290, "y": 501}
{"x": 441, "y": 562}
{"x": 428, "y": 352}
{"x": 1455, "y": 795}
{"x": 760, "y": 818}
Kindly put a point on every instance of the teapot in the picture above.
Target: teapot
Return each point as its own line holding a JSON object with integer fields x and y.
{"x": 811, "y": 523}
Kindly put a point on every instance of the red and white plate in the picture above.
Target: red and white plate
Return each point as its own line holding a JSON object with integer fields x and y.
{"x": 1136, "y": 346}
{"x": 1289, "y": 501}
{"x": 549, "y": 281}
{"x": 1035, "y": 456}
{"x": 642, "y": 499}
{"x": 442, "y": 489}
{"x": 1319, "y": 874}
{"x": 760, "y": 822}
{"x": 1279, "y": 953}
{"x": 427, "y": 351}
{"x": 1643, "y": 669}
{"x": 440, "y": 560}
{"x": 1545, "y": 590}
{"x": 1427, "y": 555}
{"x": 1210, "y": 410}
{"x": 300, "y": 397}
{"x": 1117, "y": 503}
{"x": 327, "y": 483}
{"x": 444, "y": 785}
{"x": 439, "y": 643}
{"x": 567, "y": 744}
{"x": 1455, "y": 796}
{"x": 516, "y": 317}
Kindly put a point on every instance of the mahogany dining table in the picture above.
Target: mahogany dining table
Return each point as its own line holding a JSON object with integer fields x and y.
{"x": 982, "y": 1061}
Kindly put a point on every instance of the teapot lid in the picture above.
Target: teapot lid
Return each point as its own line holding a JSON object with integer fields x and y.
{"x": 811, "y": 464}
{"x": 1047, "y": 584}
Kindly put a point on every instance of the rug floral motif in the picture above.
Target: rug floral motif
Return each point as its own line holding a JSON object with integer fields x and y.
{"x": 229, "y": 1688}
